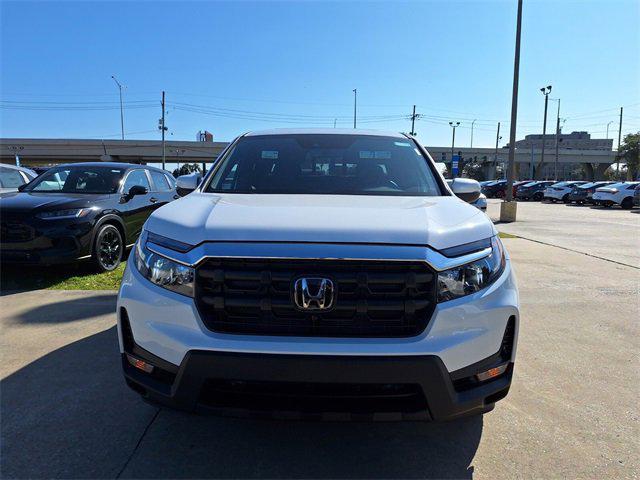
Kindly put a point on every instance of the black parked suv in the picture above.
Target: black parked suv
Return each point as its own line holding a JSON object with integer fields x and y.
{"x": 583, "y": 193}
{"x": 81, "y": 211}
{"x": 533, "y": 190}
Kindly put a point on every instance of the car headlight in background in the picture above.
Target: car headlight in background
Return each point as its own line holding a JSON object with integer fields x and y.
{"x": 70, "y": 213}
{"x": 472, "y": 277}
{"x": 162, "y": 271}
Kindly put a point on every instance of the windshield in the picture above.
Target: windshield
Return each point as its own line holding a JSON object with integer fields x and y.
{"x": 530, "y": 184}
{"x": 586, "y": 186}
{"x": 325, "y": 164}
{"x": 78, "y": 179}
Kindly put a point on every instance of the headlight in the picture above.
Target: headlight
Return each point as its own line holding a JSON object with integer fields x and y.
{"x": 471, "y": 277}
{"x": 162, "y": 271}
{"x": 71, "y": 213}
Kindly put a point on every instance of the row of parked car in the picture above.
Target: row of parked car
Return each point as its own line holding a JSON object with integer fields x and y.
{"x": 603, "y": 193}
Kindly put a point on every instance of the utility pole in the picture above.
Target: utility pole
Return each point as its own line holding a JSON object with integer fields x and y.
{"x": 355, "y": 105}
{"x": 121, "y": 110}
{"x": 555, "y": 167}
{"x": 413, "y": 121}
{"x": 619, "y": 141}
{"x": 508, "y": 207}
{"x": 545, "y": 91}
{"x": 472, "y": 133}
{"x": 334, "y": 122}
{"x": 495, "y": 157}
{"x": 163, "y": 129}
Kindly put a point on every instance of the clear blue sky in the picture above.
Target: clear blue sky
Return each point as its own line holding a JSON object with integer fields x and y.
{"x": 254, "y": 65}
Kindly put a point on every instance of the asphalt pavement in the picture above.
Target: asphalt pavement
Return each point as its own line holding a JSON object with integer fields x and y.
{"x": 572, "y": 411}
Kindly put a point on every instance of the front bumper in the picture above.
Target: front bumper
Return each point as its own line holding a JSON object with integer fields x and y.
{"x": 320, "y": 387}
{"x": 46, "y": 242}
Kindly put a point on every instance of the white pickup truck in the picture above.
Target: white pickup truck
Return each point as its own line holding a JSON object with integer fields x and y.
{"x": 321, "y": 272}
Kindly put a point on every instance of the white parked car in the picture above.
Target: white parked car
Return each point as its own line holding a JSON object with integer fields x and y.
{"x": 12, "y": 177}
{"x": 560, "y": 191}
{"x": 616, "y": 194}
{"x": 321, "y": 271}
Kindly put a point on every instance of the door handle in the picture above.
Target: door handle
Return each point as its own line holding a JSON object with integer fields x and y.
{"x": 153, "y": 199}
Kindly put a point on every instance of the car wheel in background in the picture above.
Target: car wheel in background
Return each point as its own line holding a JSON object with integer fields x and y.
{"x": 108, "y": 248}
{"x": 627, "y": 203}
{"x": 537, "y": 196}
{"x": 565, "y": 199}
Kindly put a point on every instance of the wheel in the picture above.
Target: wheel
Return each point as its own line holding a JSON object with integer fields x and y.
{"x": 537, "y": 196}
{"x": 565, "y": 198}
{"x": 627, "y": 203}
{"x": 108, "y": 248}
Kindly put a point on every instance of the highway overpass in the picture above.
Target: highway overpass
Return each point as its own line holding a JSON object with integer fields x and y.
{"x": 38, "y": 151}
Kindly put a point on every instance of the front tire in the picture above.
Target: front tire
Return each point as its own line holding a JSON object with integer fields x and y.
{"x": 108, "y": 248}
{"x": 627, "y": 203}
{"x": 537, "y": 197}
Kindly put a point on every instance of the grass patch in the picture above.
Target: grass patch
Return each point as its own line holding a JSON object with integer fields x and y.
{"x": 506, "y": 235}
{"x": 66, "y": 277}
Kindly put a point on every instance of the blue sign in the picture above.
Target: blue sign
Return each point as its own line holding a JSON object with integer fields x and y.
{"x": 455, "y": 159}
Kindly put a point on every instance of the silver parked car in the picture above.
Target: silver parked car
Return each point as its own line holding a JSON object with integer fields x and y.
{"x": 11, "y": 177}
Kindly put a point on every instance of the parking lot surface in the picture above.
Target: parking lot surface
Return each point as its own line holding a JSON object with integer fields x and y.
{"x": 610, "y": 233}
{"x": 572, "y": 411}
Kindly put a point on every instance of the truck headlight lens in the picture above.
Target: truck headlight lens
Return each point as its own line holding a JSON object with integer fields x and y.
{"x": 162, "y": 271}
{"x": 472, "y": 277}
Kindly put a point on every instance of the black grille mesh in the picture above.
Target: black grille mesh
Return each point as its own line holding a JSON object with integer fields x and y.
{"x": 373, "y": 298}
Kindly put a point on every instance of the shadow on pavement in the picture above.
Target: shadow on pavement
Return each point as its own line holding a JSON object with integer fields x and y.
{"x": 69, "y": 414}
{"x": 70, "y": 310}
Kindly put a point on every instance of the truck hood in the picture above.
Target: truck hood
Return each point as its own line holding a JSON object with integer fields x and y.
{"x": 438, "y": 222}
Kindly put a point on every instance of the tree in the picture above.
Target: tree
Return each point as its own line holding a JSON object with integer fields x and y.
{"x": 473, "y": 169}
{"x": 629, "y": 153}
{"x": 186, "y": 169}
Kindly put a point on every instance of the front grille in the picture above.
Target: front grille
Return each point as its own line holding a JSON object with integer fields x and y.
{"x": 14, "y": 232}
{"x": 313, "y": 397}
{"x": 372, "y": 298}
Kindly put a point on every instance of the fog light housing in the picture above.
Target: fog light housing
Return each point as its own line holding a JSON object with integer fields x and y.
{"x": 140, "y": 364}
{"x": 492, "y": 373}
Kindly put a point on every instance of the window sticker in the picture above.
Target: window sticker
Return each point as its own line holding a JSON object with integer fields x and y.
{"x": 270, "y": 154}
{"x": 376, "y": 154}
{"x": 402, "y": 144}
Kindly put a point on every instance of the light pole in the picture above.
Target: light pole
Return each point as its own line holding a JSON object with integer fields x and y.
{"x": 555, "y": 165}
{"x": 453, "y": 125}
{"x": 121, "y": 110}
{"x": 545, "y": 91}
{"x": 472, "y": 132}
{"x": 608, "y": 128}
{"x": 355, "y": 105}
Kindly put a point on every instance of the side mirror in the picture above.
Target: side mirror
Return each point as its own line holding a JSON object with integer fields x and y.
{"x": 186, "y": 184}
{"x": 137, "y": 190}
{"x": 22, "y": 187}
{"x": 466, "y": 189}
